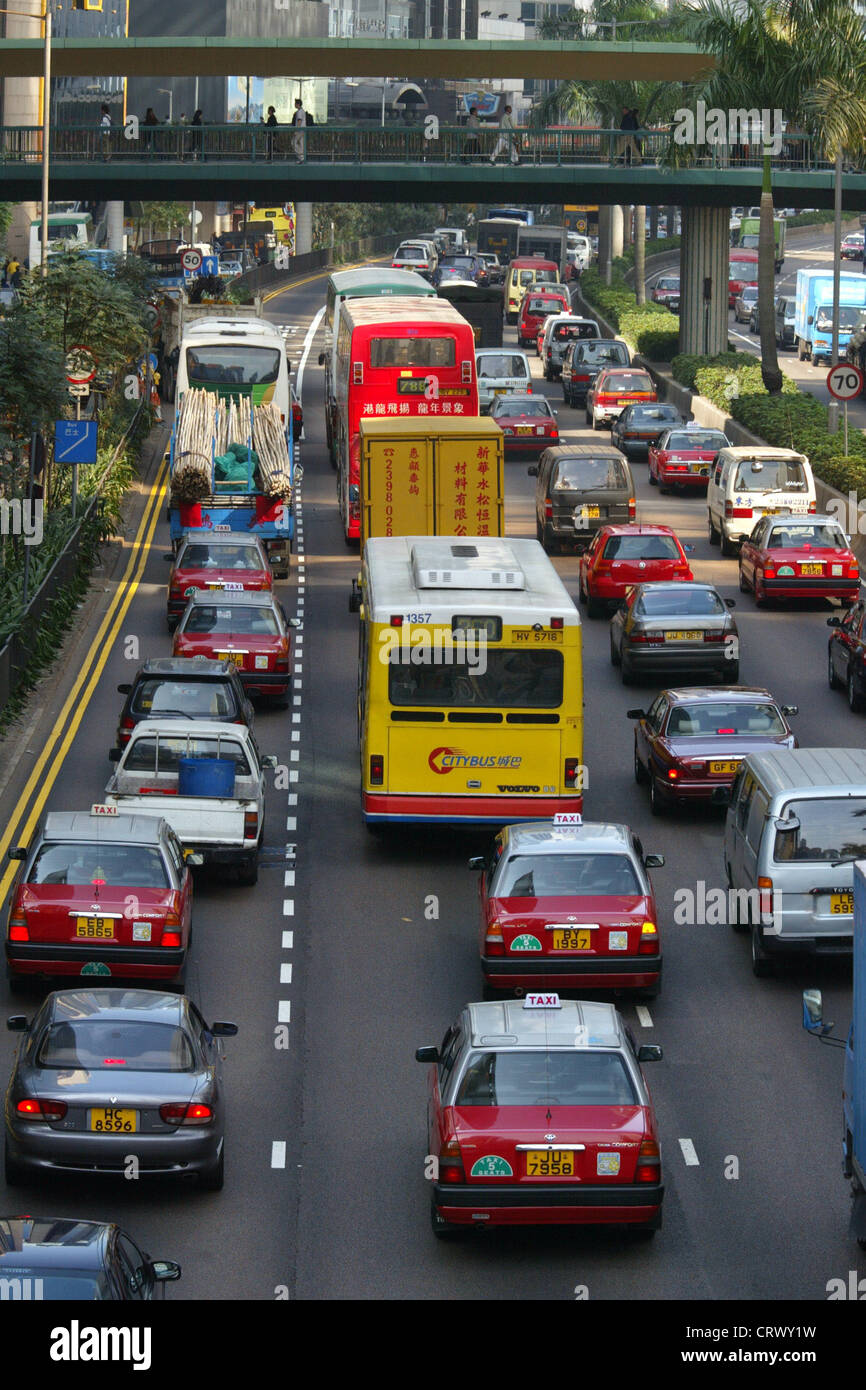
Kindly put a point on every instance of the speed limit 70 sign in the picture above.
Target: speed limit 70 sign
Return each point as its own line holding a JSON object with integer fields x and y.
{"x": 844, "y": 381}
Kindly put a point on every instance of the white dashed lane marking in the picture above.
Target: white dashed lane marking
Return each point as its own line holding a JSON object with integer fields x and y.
{"x": 689, "y": 1153}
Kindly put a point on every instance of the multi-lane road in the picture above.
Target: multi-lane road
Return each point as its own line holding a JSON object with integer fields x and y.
{"x": 355, "y": 950}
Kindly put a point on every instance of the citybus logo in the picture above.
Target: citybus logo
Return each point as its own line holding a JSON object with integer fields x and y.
{"x": 441, "y": 759}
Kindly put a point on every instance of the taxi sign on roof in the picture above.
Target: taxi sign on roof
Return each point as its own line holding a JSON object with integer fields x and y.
{"x": 568, "y": 818}
{"x": 101, "y": 809}
{"x": 694, "y": 425}
{"x": 541, "y": 1001}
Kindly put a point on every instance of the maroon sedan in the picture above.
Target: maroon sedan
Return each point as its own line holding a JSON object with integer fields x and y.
{"x": 528, "y": 423}
{"x": 796, "y": 556}
{"x": 692, "y": 740}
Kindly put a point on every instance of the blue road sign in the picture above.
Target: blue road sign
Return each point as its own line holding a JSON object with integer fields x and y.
{"x": 209, "y": 265}
{"x": 75, "y": 441}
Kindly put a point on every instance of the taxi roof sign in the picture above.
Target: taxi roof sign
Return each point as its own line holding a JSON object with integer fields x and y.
{"x": 541, "y": 1001}
{"x": 568, "y": 818}
{"x": 102, "y": 809}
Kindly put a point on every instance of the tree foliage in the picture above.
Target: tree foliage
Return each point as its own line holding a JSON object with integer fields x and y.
{"x": 77, "y": 304}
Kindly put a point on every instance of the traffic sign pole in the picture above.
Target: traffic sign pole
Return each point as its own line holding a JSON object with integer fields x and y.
{"x": 844, "y": 382}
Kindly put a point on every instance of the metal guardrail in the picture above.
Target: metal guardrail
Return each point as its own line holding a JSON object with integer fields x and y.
{"x": 371, "y": 144}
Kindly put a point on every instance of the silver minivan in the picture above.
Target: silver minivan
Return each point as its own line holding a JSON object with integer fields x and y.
{"x": 795, "y": 824}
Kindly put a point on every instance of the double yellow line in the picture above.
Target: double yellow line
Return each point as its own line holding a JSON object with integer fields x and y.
{"x": 68, "y": 722}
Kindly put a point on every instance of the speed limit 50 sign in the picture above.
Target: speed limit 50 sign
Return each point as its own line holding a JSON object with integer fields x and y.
{"x": 844, "y": 381}
{"x": 190, "y": 259}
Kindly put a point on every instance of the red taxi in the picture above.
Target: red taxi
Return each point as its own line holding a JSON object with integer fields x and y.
{"x": 248, "y": 629}
{"x": 620, "y": 556}
{"x": 792, "y": 556}
{"x": 683, "y": 455}
{"x": 101, "y": 894}
{"x": 535, "y": 307}
{"x": 565, "y": 905}
{"x": 692, "y": 740}
{"x": 528, "y": 423}
{"x": 539, "y": 1115}
{"x": 614, "y": 389}
{"x": 228, "y": 562}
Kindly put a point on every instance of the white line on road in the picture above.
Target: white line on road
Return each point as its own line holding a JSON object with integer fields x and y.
{"x": 295, "y": 754}
{"x": 285, "y": 973}
{"x": 292, "y": 823}
{"x": 296, "y": 734}
{"x": 288, "y": 908}
{"x": 278, "y": 1153}
{"x": 689, "y": 1153}
{"x": 284, "y": 1011}
{"x": 643, "y": 1016}
{"x": 288, "y": 940}
{"x": 293, "y": 798}
{"x": 289, "y": 880}
{"x": 308, "y": 343}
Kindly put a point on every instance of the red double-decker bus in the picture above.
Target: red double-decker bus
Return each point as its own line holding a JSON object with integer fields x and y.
{"x": 399, "y": 356}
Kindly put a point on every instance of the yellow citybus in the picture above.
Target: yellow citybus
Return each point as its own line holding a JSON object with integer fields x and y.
{"x": 470, "y": 686}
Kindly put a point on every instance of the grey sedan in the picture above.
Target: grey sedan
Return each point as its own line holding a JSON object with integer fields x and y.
{"x": 116, "y": 1081}
{"x": 675, "y": 628}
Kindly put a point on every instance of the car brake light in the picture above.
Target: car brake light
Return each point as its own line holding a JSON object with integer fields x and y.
{"x": 631, "y": 509}
{"x": 648, "y": 1162}
{"x": 572, "y": 771}
{"x": 127, "y": 723}
{"x": 195, "y": 1113}
{"x": 649, "y": 939}
{"x": 451, "y": 1168}
{"x": 466, "y": 372}
{"x": 493, "y": 939}
{"x": 682, "y": 567}
{"x": 765, "y": 889}
{"x": 34, "y": 1109}
{"x": 813, "y": 506}
{"x": 377, "y": 769}
{"x": 647, "y": 637}
{"x": 357, "y": 374}
{"x": 297, "y": 414}
{"x": 769, "y": 571}
{"x": 171, "y": 930}
{"x": 602, "y": 566}
{"x": 673, "y": 774}
{"x": 548, "y": 509}
{"x": 715, "y": 636}
{"x": 18, "y": 930}
{"x": 853, "y": 570}
{"x": 581, "y": 378}
{"x": 251, "y": 824}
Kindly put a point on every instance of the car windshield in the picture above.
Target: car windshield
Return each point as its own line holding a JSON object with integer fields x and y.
{"x": 830, "y": 829}
{"x": 235, "y": 364}
{"x": 770, "y": 475}
{"x": 668, "y": 282}
{"x": 108, "y": 1044}
{"x": 79, "y": 865}
{"x": 848, "y": 317}
{"x": 525, "y": 679}
{"x": 566, "y": 876}
{"x": 679, "y": 602}
{"x": 641, "y": 548}
{"x": 725, "y": 717}
{"x": 589, "y": 475}
{"x": 546, "y": 1078}
{"x": 502, "y": 365}
{"x": 195, "y": 699}
{"x": 618, "y": 381}
{"x": 61, "y": 1284}
{"x": 822, "y": 537}
{"x": 598, "y": 352}
{"x": 697, "y": 439}
{"x": 743, "y": 270}
{"x": 534, "y": 406}
{"x": 244, "y": 622}
{"x": 222, "y": 557}
{"x": 749, "y": 292}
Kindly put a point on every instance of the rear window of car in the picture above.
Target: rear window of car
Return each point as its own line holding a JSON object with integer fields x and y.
{"x": 822, "y": 537}
{"x": 102, "y": 1044}
{"x": 829, "y": 830}
{"x": 543, "y": 305}
{"x": 565, "y": 875}
{"x": 502, "y": 365}
{"x": 247, "y": 622}
{"x": 510, "y": 405}
{"x": 653, "y": 413}
{"x": 618, "y": 381}
{"x": 411, "y": 253}
{"x": 770, "y": 475}
{"x": 162, "y": 755}
{"x": 679, "y": 602}
{"x": 566, "y": 332}
{"x": 641, "y": 548}
{"x": 697, "y": 439}
{"x": 546, "y": 1078}
{"x": 588, "y": 475}
{"x": 213, "y": 699}
{"x": 224, "y": 557}
{"x": 725, "y": 717}
{"x": 78, "y": 865}
{"x": 597, "y": 352}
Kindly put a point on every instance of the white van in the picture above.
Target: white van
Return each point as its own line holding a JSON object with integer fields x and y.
{"x": 748, "y": 483}
{"x": 66, "y": 231}
{"x": 580, "y": 246}
{"x": 795, "y": 824}
{"x": 454, "y": 238}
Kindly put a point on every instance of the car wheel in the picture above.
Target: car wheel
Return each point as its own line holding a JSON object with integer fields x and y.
{"x": 653, "y": 480}
{"x": 581, "y": 594}
{"x": 651, "y": 991}
{"x": 615, "y": 656}
{"x": 550, "y": 545}
{"x": 712, "y": 533}
{"x": 641, "y": 776}
{"x": 800, "y": 353}
{"x": 588, "y": 417}
{"x": 248, "y": 873}
{"x": 731, "y": 674}
{"x": 626, "y": 670}
{"x": 728, "y": 547}
{"x": 657, "y": 806}
{"x": 14, "y": 1173}
{"x": 213, "y": 1179}
{"x": 761, "y": 965}
{"x": 832, "y": 679}
{"x": 663, "y": 490}
{"x": 855, "y": 699}
{"x": 594, "y": 608}
{"x": 442, "y": 1229}
{"x": 539, "y": 531}
{"x": 735, "y": 921}
{"x": 491, "y": 995}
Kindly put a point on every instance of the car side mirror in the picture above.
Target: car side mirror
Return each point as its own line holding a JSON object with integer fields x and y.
{"x": 125, "y": 688}
{"x": 17, "y": 1023}
{"x": 194, "y": 859}
{"x": 532, "y": 470}
{"x": 291, "y": 622}
{"x": 790, "y": 710}
{"x": 426, "y": 1054}
{"x": 168, "y": 557}
{"x": 721, "y": 796}
{"x": 224, "y": 1030}
{"x": 834, "y": 622}
{"x": 114, "y": 755}
{"x": 649, "y": 1052}
{"x": 19, "y": 852}
{"x": 477, "y": 862}
{"x": 811, "y": 318}
{"x": 654, "y": 861}
{"x": 689, "y": 549}
{"x": 635, "y": 714}
{"x": 269, "y": 760}
{"x": 730, "y": 603}
{"x": 165, "y": 1270}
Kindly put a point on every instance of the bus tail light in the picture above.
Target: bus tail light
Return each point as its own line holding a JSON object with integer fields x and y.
{"x": 251, "y": 824}
{"x": 649, "y": 1164}
{"x": 557, "y": 624}
{"x": 649, "y": 939}
{"x": 451, "y": 1168}
{"x": 466, "y": 372}
{"x": 572, "y": 772}
{"x": 493, "y": 940}
{"x": 377, "y": 770}
{"x": 357, "y": 374}
{"x": 396, "y": 619}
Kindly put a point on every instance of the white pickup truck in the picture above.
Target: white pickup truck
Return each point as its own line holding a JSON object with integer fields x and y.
{"x": 223, "y": 829}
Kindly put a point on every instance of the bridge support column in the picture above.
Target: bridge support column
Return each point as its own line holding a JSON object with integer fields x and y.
{"x": 303, "y": 228}
{"x": 704, "y": 257}
{"x": 610, "y": 229}
{"x": 114, "y": 221}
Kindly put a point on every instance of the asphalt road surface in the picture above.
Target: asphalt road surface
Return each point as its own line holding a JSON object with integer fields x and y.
{"x": 334, "y": 973}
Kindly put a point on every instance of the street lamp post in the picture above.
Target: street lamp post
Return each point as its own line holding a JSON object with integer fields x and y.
{"x": 45, "y": 17}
